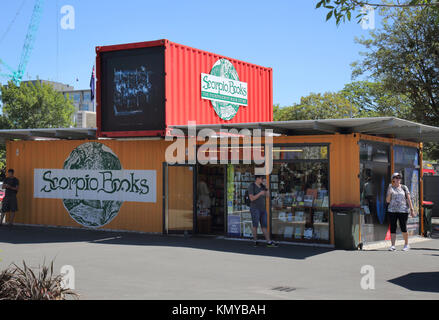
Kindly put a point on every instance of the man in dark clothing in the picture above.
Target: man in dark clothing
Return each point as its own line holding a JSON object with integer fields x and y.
{"x": 257, "y": 193}
{"x": 9, "y": 204}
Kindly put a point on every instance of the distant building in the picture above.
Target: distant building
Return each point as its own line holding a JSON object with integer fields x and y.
{"x": 58, "y": 86}
{"x": 84, "y": 108}
{"x": 85, "y": 119}
{"x": 81, "y": 99}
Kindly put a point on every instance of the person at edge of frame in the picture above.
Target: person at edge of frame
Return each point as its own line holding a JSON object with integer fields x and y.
{"x": 9, "y": 203}
{"x": 400, "y": 203}
{"x": 258, "y": 193}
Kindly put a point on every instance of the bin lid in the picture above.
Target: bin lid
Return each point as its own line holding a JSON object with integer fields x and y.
{"x": 427, "y": 203}
{"x": 345, "y": 206}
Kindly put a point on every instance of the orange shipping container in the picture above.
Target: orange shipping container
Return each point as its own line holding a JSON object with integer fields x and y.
{"x": 127, "y": 179}
{"x": 32, "y": 160}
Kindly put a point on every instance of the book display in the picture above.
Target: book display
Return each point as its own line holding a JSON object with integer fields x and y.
{"x": 300, "y": 202}
{"x": 299, "y": 196}
{"x": 239, "y": 179}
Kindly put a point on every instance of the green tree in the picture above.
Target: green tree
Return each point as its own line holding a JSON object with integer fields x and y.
{"x": 356, "y": 99}
{"x": 404, "y": 57}
{"x": 431, "y": 151}
{"x": 373, "y": 100}
{"x": 342, "y": 10}
{"x": 35, "y": 106}
{"x": 4, "y": 124}
{"x": 317, "y": 106}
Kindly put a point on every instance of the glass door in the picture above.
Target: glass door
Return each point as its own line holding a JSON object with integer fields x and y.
{"x": 375, "y": 174}
{"x": 179, "y": 198}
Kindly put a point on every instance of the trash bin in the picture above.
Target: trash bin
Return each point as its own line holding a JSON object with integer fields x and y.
{"x": 347, "y": 226}
{"x": 428, "y": 213}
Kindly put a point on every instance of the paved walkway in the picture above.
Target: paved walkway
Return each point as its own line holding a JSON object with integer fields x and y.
{"x": 113, "y": 265}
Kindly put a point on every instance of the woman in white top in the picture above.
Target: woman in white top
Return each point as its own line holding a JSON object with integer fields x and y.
{"x": 400, "y": 203}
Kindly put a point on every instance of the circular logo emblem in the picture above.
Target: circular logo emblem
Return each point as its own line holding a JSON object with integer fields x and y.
{"x": 224, "y": 68}
{"x": 92, "y": 213}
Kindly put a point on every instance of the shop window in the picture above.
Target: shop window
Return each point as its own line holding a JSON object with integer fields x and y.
{"x": 405, "y": 156}
{"x": 374, "y": 181}
{"x": 374, "y": 152}
{"x": 239, "y": 221}
{"x": 406, "y": 162}
{"x": 300, "y": 194}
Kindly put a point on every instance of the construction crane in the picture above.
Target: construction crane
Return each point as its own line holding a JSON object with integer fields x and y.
{"x": 17, "y": 75}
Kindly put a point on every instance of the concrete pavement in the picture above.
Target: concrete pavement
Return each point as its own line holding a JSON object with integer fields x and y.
{"x": 117, "y": 265}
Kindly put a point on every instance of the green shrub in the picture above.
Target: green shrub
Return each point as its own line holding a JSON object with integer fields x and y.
{"x": 18, "y": 283}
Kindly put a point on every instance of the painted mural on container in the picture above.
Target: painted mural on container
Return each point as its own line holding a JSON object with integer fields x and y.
{"x": 93, "y": 185}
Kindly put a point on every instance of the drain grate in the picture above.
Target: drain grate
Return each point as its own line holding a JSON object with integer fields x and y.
{"x": 284, "y": 289}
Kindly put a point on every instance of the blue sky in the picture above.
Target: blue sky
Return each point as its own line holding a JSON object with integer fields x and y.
{"x": 306, "y": 53}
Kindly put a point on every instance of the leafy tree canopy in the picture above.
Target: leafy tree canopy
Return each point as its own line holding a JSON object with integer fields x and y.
{"x": 404, "y": 57}
{"x": 35, "y": 106}
{"x": 342, "y": 10}
{"x": 372, "y": 99}
{"x": 315, "y": 106}
{"x": 356, "y": 99}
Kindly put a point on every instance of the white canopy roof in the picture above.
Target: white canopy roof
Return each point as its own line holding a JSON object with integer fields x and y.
{"x": 383, "y": 126}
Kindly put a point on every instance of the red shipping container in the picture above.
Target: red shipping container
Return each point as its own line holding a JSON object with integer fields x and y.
{"x": 175, "y": 84}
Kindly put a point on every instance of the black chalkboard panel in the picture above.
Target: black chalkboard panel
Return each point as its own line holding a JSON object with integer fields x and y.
{"x": 133, "y": 90}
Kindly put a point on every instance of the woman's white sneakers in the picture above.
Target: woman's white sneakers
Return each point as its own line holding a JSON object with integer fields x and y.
{"x": 406, "y": 248}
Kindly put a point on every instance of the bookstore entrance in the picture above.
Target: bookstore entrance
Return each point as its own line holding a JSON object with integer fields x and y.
{"x": 194, "y": 200}
{"x": 211, "y": 206}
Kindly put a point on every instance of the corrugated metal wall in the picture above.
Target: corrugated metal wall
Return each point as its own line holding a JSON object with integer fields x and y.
{"x": 183, "y": 102}
{"x": 183, "y": 67}
{"x": 25, "y": 156}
